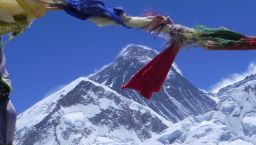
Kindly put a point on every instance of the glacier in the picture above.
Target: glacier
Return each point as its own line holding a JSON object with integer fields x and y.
{"x": 232, "y": 123}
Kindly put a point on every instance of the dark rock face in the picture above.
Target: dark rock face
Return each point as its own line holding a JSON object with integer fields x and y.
{"x": 140, "y": 122}
{"x": 178, "y": 97}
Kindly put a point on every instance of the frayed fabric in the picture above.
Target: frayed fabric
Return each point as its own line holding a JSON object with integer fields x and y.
{"x": 7, "y": 122}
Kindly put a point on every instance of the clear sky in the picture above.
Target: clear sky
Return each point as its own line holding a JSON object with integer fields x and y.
{"x": 57, "y": 48}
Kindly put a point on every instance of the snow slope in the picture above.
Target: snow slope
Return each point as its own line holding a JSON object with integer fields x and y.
{"x": 85, "y": 112}
{"x": 233, "y": 123}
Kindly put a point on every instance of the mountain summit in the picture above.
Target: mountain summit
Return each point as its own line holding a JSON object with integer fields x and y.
{"x": 178, "y": 97}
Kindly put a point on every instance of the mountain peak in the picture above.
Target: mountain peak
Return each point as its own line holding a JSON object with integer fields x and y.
{"x": 178, "y": 97}
{"x": 134, "y": 50}
{"x": 251, "y": 77}
{"x": 86, "y": 112}
{"x": 247, "y": 79}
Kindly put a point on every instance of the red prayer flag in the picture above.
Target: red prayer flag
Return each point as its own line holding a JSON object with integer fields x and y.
{"x": 151, "y": 77}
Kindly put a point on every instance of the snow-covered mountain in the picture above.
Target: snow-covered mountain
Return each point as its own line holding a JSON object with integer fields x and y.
{"x": 233, "y": 123}
{"x": 94, "y": 111}
{"x": 87, "y": 113}
{"x": 178, "y": 97}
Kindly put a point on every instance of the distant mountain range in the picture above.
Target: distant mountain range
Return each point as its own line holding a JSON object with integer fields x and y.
{"x": 94, "y": 110}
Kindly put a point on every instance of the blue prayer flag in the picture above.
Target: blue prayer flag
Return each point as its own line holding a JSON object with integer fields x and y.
{"x": 84, "y": 9}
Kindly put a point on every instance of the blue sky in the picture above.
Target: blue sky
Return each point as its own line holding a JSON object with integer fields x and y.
{"x": 57, "y": 48}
